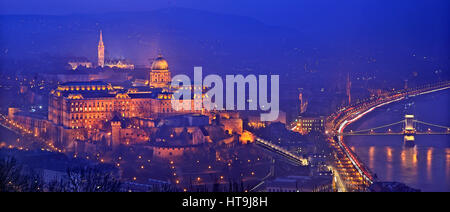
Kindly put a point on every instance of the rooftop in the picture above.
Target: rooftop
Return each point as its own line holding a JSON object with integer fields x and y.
{"x": 89, "y": 83}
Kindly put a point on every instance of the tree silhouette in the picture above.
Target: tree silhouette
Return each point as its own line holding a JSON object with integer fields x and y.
{"x": 12, "y": 178}
{"x": 86, "y": 179}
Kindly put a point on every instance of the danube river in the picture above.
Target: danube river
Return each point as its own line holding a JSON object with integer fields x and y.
{"x": 426, "y": 166}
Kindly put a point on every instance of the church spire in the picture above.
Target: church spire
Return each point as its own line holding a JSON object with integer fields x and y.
{"x": 101, "y": 37}
{"x": 101, "y": 51}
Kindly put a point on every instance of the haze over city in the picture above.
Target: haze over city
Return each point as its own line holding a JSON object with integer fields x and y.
{"x": 88, "y": 89}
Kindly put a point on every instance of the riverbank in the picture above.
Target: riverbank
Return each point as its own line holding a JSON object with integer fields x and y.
{"x": 425, "y": 166}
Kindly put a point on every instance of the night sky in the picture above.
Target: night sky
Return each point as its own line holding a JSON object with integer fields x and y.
{"x": 345, "y": 32}
{"x": 286, "y": 12}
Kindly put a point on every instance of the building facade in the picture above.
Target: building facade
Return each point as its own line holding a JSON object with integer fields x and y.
{"x": 119, "y": 64}
{"x": 76, "y": 64}
{"x": 307, "y": 124}
{"x": 160, "y": 75}
{"x": 91, "y": 104}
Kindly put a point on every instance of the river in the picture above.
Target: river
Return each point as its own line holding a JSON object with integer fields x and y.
{"x": 426, "y": 166}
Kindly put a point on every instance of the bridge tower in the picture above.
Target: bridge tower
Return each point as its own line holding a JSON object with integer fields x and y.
{"x": 409, "y": 125}
{"x": 409, "y": 130}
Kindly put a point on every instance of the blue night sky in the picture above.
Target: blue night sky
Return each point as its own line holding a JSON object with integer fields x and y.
{"x": 286, "y": 12}
{"x": 255, "y": 34}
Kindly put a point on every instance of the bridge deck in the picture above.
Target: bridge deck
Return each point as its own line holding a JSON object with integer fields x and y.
{"x": 282, "y": 152}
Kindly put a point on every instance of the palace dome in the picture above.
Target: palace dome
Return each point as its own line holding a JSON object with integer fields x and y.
{"x": 160, "y": 63}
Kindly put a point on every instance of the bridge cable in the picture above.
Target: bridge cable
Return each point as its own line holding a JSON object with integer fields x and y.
{"x": 434, "y": 125}
{"x": 375, "y": 128}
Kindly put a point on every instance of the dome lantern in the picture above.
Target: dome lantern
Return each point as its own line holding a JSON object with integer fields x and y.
{"x": 160, "y": 63}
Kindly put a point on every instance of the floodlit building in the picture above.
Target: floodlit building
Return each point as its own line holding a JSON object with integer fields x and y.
{"x": 79, "y": 62}
{"x": 160, "y": 75}
{"x": 101, "y": 51}
{"x": 307, "y": 124}
{"x": 120, "y": 64}
{"x": 103, "y": 62}
{"x": 91, "y": 104}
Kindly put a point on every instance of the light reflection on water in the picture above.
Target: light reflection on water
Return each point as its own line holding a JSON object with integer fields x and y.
{"x": 425, "y": 166}
{"x": 447, "y": 167}
{"x": 429, "y": 163}
{"x": 371, "y": 156}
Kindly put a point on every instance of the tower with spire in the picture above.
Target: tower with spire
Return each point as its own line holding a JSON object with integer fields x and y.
{"x": 101, "y": 51}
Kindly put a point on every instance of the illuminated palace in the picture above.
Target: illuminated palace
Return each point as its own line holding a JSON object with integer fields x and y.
{"x": 95, "y": 110}
{"x": 95, "y": 113}
{"x": 160, "y": 75}
{"x": 90, "y": 104}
